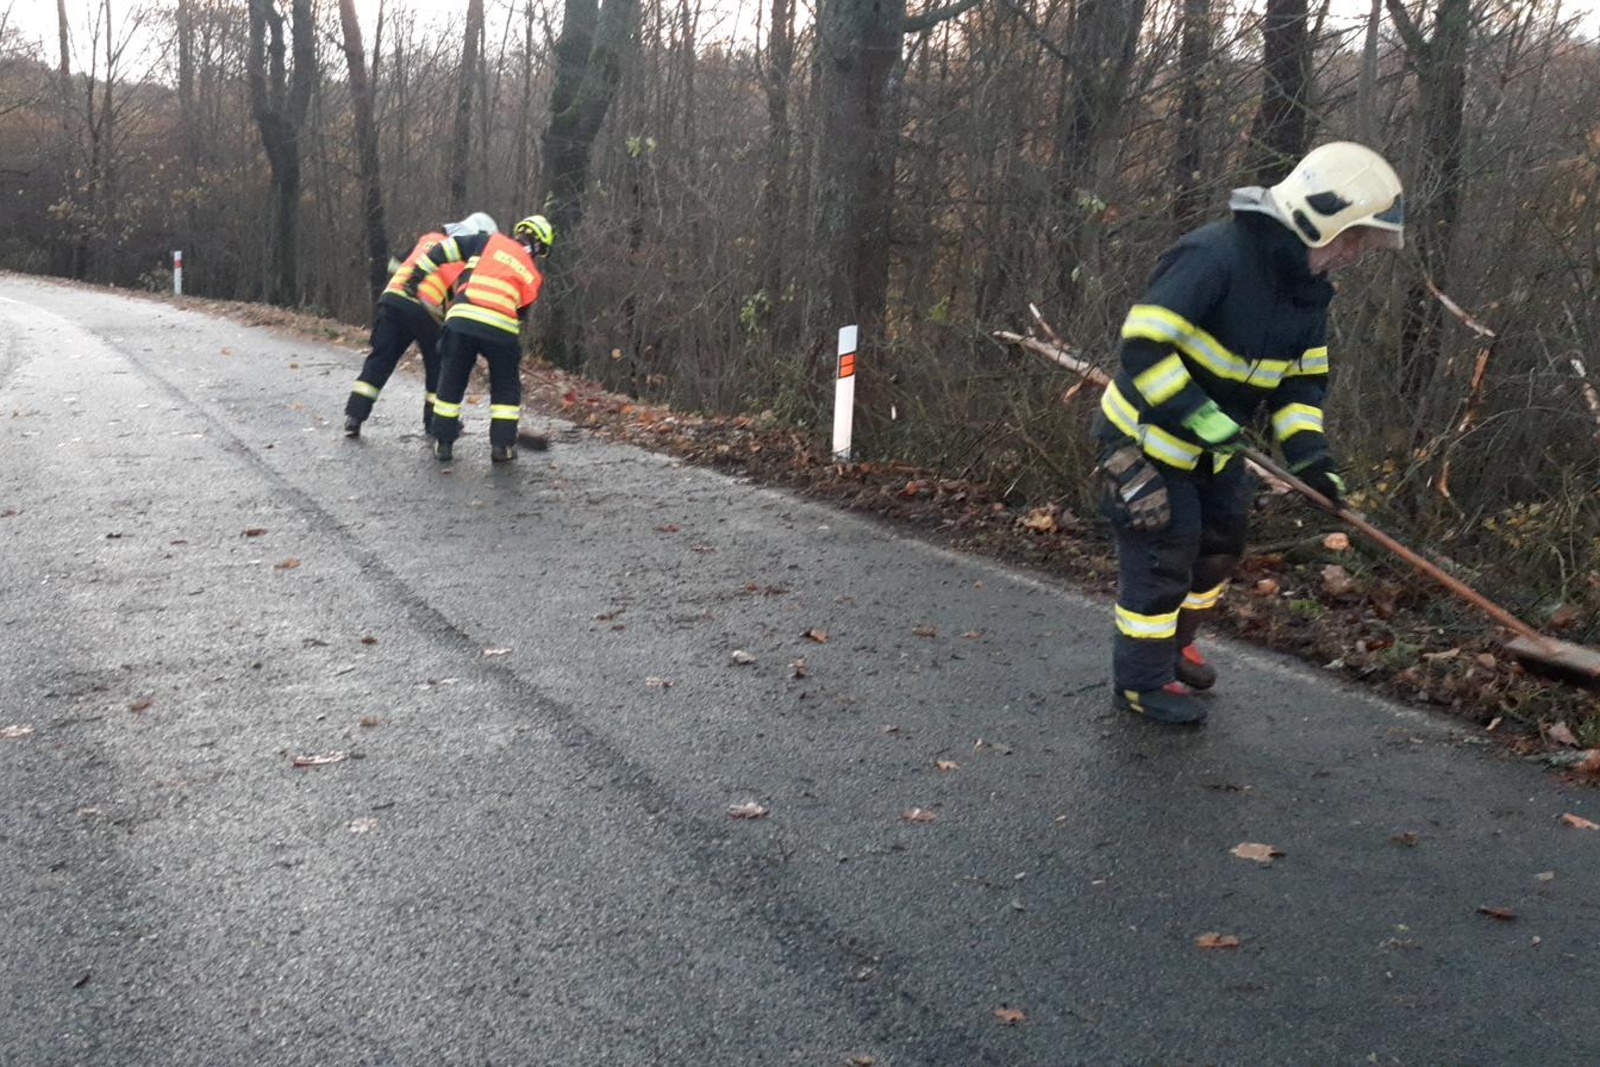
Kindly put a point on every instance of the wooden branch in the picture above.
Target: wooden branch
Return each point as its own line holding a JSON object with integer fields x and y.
{"x": 1589, "y": 395}
{"x": 1455, "y": 309}
{"x": 927, "y": 20}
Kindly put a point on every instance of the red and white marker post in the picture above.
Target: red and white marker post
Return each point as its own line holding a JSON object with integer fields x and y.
{"x": 844, "y": 393}
{"x": 177, "y": 273}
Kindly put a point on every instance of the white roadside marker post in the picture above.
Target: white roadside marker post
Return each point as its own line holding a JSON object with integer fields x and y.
{"x": 844, "y": 393}
{"x": 177, "y": 273}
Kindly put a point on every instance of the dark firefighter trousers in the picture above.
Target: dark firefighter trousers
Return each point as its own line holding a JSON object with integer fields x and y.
{"x": 458, "y": 354}
{"x": 1169, "y": 579}
{"x": 394, "y": 327}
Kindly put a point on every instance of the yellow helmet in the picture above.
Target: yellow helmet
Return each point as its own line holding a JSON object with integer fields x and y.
{"x": 1337, "y": 186}
{"x": 537, "y": 227}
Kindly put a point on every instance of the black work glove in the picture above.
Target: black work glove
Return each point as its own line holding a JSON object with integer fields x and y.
{"x": 1134, "y": 494}
{"x": 1318, "y": 472}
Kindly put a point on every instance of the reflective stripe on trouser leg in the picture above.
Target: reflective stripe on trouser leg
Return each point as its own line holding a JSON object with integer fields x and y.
{"x": 362, "y": 396}
{"x": 505, "y": 388}
{"x": 1153, "y": 577}
{"x": 1195, "y": 605}
{"x": 393, "y": 330}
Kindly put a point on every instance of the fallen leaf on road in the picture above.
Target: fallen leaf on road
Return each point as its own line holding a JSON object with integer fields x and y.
{"x": 925, "y": 631}
{"x": 741, "y": 657}
{"x": 1336, "y": 542}
{"x": 667, "y": 527}
{"x": 1409, "y": 838}
{"x": 918, "y": 815}
{"x": 369, "y": 720}
{"x": 660, "y": 683}
{"x": 142, "y": 704}
{"x": 797, "y": 669}
{"x": 255, "y": 531}
{"x": 748, "y": 810}
{"x": 496, "y": 651}
{"x": 1009, "y": 1015}
{"x": 947, "y": 765}
{"x": 861, "y": 1061}
{"x": 1214, "y": 940}
{"x": 313, "y": 759}
{"x": 1503, "y": 914}
{"x": 1039, "y": 520}
{"x": 15, "y": 731}
{"x": 819, "y": 636}
{"x": 286, "y": 565}
{"x": 973, "y": 634}
{"x": 361, "y": 826}
{"x": 1579, "y": 821}
{"x": 1561, "y": 734}
{"x": 369, "y": 640}
{"x": 1262, "y": 854}
{"x": 1546, "y": 876}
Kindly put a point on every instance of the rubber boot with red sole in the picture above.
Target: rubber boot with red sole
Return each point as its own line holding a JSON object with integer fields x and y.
{"x": 1193, "y": 670}
{"x": 1173, "y": 703}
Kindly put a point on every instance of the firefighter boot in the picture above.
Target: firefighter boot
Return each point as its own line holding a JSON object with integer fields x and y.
{"x": 352, "y": 426}
{"x": 503, "y": 453}
{"x": 1193, "y": 670}
{"x": 1172, "y": 703}
{"x": 443, "y": 451}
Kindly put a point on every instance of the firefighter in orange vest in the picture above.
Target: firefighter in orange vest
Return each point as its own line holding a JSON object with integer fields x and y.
{"x": 403, "y": 318}
{"x": 492, "y": 298}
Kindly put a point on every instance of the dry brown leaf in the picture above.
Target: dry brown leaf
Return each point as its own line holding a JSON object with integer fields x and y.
{"x": 741, "y": 657}
{"x": 369, "y": 721}
{"x": 1579, "y": 822}
{"x": 973, "y": 634}
{"x": 369, "y": 640}
{"x": 918, "y": 815}
{"x": 1546, "y": 876}
{"x": 925, "y": 631}
{"x": 255, "y": 531}
{"x": 1215, "y": 940}
{"x": 1503, "y": 914}
{"x": 659, "y": 683}
{"x": 861, "y": 1061}
{"x": 286, "y": 565}
{"x": 1265, "y": 587}
{"x": 819, "y": 636}
{"x": 797, "y": 669}
{"x": 1564, "y": 617}
{"x": 1591, "y": 762}
{"x": 1039, "y": 520}
{"x": 667, "y": 527}
{"x": 1336, "y": 542}
{"x": 947, "y": 765}
{"x": 1336, "y": 581}
{"x": 1561, "y": 734}
{"x": 748, "y": 810}
{"x": 361, "y": 826}
{"x": 17, "y": 730}
{"x": 1008, "y": 1016}
{"x": 314, "y": 759}
{"x": 1262, "y": 854}
{"x": 142, "y": 704}
{"x": 1409, "y": 838}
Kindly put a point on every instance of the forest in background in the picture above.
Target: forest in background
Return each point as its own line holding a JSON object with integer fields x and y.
{"x": 723, "y": 205}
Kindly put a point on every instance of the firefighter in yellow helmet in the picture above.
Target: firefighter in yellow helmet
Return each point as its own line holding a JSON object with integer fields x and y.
{"x": 501, "y": 281}
{"x": 1233, "y": 321}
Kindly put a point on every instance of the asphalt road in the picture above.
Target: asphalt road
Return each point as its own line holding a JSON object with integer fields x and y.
{"x": 526, "y": 857}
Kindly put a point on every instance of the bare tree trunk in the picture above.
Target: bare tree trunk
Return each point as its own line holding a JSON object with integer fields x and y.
{"x": 1194, "y": 65}
{"x": 461, "y": 143}
{"x": 1440, "y": 62}
{"x": 367, "y": 151}
{"x": 589, "y": 53}
{"x": 279, "y": 99}
{"x": 777, "y": 75}
{"x": 1278, "y": 135}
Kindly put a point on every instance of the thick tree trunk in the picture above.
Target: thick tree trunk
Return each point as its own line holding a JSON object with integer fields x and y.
{"x": 775, "y": 202}
{"x": 1278, "y": 137}
{"x": 594, "y": 38}
{"x": 461, "y": 141}
{"x": 377, "y": 240}
{"x": 1194, "y": 64}
{"x": 279, "y": 99}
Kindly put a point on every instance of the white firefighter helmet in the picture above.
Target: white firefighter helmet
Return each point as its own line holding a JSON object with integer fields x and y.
{"x": 1337, "y": 186}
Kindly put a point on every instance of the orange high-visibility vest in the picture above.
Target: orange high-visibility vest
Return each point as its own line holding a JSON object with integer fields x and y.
{"x": 500, "y": 281}
{"x": 435, "y": 288}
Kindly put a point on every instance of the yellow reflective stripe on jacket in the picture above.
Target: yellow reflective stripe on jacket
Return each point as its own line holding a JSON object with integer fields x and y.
{"x": 448, "y": 411}
{"x": 1296, "y": 418}
{"x": 366, "y": 389}
{"x": 1147, "y": 627}
{"x": 1152, "y": 322}
{"x": 1312, "y": 361}
{"x": 1163, "y": 381}
{"x": 1155, "y": 441}
{"x": 1204, "y": 601}
{"x": 498, "y": 320}
{"x": 504, "y": 411}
